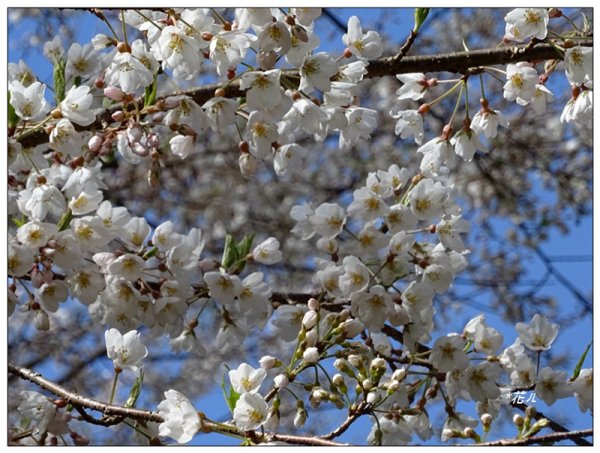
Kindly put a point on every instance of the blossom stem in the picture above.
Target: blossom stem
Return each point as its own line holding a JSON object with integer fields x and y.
{"x": 462, "y": 87}
{"x": 135, "y": 428}
{"x": 114, "y": 388}
{"x": 218, "y": 16}
{"x": 110, "y": 27}
{"x": 537, "y": 368}
{"x": 124, "y": 26}
{"x": 569, "y": 20}
{"x": 443, "y": 95}
{"x": 481, "y": 85}
{"x": 148, "y": 19}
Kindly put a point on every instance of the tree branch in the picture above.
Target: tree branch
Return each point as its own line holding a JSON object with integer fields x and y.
{"x": 545, "y": 439}
{"x": 453, "y": 62}
{"x": 81, "y": 401}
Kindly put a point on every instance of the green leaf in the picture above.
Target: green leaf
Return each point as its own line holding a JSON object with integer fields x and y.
{"x": 65, "y": 220}
{"x": 59, "y": 80}
{"x": 420, "y": 16}
{"x": 13, "y": 118}
{"x": 19, "y": 221}
{"x": 577, "y": 369}
{"x": 229, "y": 252}
{"x": 135, "y": 390}
{"x": 150, "y": 93}
{"x": 242, "y": 250}
{"x": 231, "y": 397}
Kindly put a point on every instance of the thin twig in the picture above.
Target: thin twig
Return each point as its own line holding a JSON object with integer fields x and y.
{"x": 545, "y": 439}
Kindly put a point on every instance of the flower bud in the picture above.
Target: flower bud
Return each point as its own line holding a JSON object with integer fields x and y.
{"x": 311, "y": 355}
{"x": 247, "y": 164}
{"x": 399, "y": 374}
{"x": 267, "y": 362}
{"x": 486, "y": 419}
{"x": 281, "y": 381}
{"x": 352, "y": 327}
{"x": 518, "y": 420}
{"x": 41, "y": 320}
{"x": 114, "y": 93}
{"x": 310, "y": 319}
{"x": 313, "y": 304}
{"x": 95, "y": 143}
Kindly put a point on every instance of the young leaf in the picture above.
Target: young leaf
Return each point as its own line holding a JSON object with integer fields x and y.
{"x": 229, "y": 252}
{"x": 134, "y": 393}
{"x": 232, "y": 397}
{"x": 150, "y": 93}
{"x": 577, "y": 369}
{"x": 59, "y": 80}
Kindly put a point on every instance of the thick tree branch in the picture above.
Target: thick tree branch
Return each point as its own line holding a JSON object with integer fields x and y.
{"x": 453, "y": 62}
{"x": 81, "y": 401}
{"x": 545, "y": 439}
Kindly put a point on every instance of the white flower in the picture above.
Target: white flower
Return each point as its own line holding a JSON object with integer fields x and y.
{"x": 373, "y": 307}
{"x": 86, "y": 202}
{"x": 413, "y": 86}
{"x": 183, "y": 145}
{"x": 223, "y": 287}
{"x": 539, "y": 334}
{"x": 579, "y": 64}
{"x": 267, "y": 252}
{"x": 579, "y": 108}
{"x": 542, "y": 96}
{"x": 302, "y": 214}
{"x": 449, "y": 229}
{"x": 583, "y": 387}
{"x": 128, "y": 72}
{"x": 437, "y": 152}
{"x": 289, "y": 321}
{"x": 77, "y": 106}
{"x": 178, "y": 52}
{"x": 29, "y": 102}
{"x": 45, "y": 415}
{"x": 361, "y": 122}
{"x": 481, "y": 381}
{"x": 264, "y": 91}
{"x": 126, "y": 351}
{"x": 250, "y": 411}
{"x": 275, "y": 36}
{"x": 522, "y": 23}
{"x": 288, "y": 158}
{"x": 521, "y": 83}
{"x": 82, "y": 61}
{"x": 486, "y": 121}
{"x": 262, "y": 133}
{"x": 390, "y": 432}
{"x": 328, "y": 220}
{"x": 355, "y": 277}
{"x": 53, "y": 293}
{"x": 35, "y": 234}
{"x": 410, "y": 123}
{"x": 466, "y": 143}
{"x": 246, "y": 379}
{"x": 427, "y": 199}
{"x": 367, "y": 205}
{"x": 366, "y": 45}
{"x": 315, "y": 72}
{"x": 227, "y": 49}
{"x": 447, "y": 354}
{"x": 552, "y": 385}
{"x": 306, "y": 16}
{"x": 181, "y": 419}
{"x": 53, "y": 50}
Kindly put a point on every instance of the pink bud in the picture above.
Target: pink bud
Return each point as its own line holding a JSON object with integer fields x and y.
{"x": 95, "y": 143}
{"x": 119, "y": 115}
{"x": 113, "y": 93}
